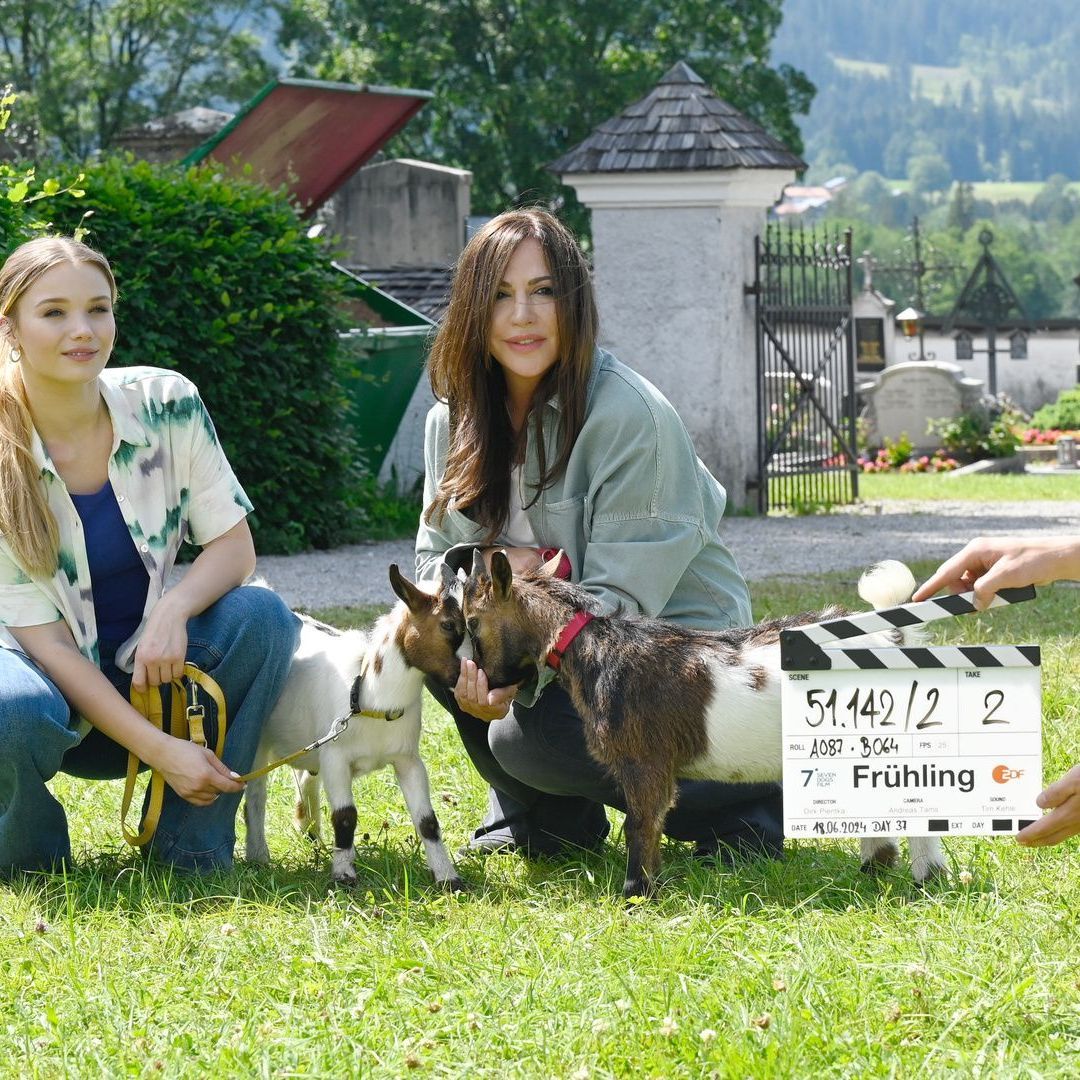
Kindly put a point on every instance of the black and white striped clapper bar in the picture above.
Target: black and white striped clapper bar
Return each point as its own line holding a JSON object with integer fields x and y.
{"x": 898, "y": 740}
{"x": 814, "y": 647}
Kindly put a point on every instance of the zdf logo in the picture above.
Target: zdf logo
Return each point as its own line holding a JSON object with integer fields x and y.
{"x": 1002, "y": 774}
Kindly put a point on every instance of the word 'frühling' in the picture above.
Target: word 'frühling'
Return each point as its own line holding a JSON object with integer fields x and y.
{"x": 927, "y": 775}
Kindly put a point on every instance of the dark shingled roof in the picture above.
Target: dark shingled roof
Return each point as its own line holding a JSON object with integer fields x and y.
{"x": 423, "y": 288}
{"x": 681, "y": 124}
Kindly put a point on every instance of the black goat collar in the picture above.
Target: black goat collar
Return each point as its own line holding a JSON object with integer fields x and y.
{"x": 375, "y": 714}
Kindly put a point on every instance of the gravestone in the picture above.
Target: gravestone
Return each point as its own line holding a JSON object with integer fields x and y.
{"x": 907, "y": 396}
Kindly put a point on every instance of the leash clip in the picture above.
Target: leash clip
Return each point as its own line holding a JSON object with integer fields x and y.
{"x": 195, "y": 715}
{"x": 337, "y": 728}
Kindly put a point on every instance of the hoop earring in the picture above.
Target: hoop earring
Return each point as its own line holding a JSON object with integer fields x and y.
{"x": 16, "y": 355}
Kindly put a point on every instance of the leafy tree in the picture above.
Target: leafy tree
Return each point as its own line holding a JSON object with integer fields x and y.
{"x": 518, "y": 83}
{"x": 961, "y": 213}
{"x": 1055, "y": 202}
{"x": 929, "y": 172}
{"x": 868, "y": 192}
{"x": 87, "y": 69}
{"x": 20, "y": 189}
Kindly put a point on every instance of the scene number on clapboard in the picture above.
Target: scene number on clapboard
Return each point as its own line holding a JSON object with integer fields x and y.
{"x": 878, "y": 709}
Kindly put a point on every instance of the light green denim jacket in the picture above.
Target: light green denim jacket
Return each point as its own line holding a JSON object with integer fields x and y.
{"x": 636, "y": 511}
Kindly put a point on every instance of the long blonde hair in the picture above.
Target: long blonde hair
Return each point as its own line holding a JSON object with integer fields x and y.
{"x": 482, "y": 441}
{"x": 26, "y": 521}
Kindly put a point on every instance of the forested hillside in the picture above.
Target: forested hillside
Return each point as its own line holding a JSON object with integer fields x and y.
{"x": 989, "y": 88}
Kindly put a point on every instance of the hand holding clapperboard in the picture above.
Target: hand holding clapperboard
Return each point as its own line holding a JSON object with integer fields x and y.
{"x": 909, "y": 741}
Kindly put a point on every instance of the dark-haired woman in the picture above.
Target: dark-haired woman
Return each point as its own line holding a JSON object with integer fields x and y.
{"x": 543, "y": 441}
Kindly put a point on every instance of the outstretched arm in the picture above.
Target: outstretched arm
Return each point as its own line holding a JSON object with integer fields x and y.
{"x": 1062, "y": 799}
{"x": 990, "y": 563}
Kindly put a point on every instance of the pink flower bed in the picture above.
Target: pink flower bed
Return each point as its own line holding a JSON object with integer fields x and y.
{"x": 1048, "y": 437}
{"x": 937, "y": 462}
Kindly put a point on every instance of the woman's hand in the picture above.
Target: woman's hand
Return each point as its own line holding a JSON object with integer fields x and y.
{"x": 1062, "y": 799}
{"x": 162, "y": 649}
{"x": 522, "y": 559}
{"x": 194, "y": 773}
{"x": 473, "y": 696}
{"x": 990, "y": 563}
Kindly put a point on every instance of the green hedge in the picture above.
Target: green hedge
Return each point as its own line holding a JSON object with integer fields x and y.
{"x": 1063, "y": 413}
{"x": 219, "y": 280}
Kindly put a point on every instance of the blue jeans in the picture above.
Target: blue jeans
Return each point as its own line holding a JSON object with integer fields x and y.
{"x": 246, "y": 640}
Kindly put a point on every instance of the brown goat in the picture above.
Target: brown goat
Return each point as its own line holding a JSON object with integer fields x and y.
{"x": 657, "y": 700}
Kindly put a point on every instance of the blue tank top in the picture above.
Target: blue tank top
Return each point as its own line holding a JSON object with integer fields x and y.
{"x": 118, "y": 576}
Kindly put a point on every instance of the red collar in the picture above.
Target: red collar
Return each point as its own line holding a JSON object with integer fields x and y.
{"x": 570, "y": 631}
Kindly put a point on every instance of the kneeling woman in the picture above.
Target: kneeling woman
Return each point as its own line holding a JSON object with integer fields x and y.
{"x": 103, "y": 473}
{"x": 543, "y": 441}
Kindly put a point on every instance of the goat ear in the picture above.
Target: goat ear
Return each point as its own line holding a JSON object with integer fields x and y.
{"x": 449, "y": 579}
{"x": 416, "y": 600}
{"x": 551, "y": 567}
{"x": 479, "y": 567}
{"x": 502, "y": 575}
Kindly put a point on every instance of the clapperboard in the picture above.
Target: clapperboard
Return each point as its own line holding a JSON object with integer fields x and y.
{"x": 909, "y": 740}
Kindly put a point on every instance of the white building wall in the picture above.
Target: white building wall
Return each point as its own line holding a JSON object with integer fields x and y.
{"x": 670, "y": 291}
{"x": 672, "y": 254}
{"x": 1052, "y": 364}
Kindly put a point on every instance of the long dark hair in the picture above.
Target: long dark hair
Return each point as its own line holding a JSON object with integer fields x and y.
{"x": 483, "y": 444}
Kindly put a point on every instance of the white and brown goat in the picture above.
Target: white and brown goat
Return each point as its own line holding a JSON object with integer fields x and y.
{"x": 419, "y": 636}
{"x": 659, "y": 700}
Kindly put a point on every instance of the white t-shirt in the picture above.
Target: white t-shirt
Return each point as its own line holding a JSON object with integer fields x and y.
{"x": 519, "y": 533}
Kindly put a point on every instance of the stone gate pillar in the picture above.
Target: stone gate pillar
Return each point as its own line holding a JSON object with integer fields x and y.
{"x": 678, "y": 186}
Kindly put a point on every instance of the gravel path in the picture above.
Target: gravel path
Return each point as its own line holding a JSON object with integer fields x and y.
{"x": 848, "y": 539}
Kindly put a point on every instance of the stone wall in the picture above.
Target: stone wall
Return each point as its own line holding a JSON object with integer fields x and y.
{"x": 402, "y": 213}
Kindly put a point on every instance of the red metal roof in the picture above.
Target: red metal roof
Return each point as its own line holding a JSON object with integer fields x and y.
{"x": 310, "y": 135}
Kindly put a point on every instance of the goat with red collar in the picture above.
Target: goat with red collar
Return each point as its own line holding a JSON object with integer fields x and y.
{"x": 658, "y": 700}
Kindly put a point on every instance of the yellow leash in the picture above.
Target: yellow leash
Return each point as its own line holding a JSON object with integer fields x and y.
{"x": 188, "y": 721}
{"x": 337, "y": 728}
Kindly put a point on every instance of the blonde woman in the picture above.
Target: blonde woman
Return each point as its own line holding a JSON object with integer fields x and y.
{"x": 543, "y": 441}
{"x": 103, "y": 473}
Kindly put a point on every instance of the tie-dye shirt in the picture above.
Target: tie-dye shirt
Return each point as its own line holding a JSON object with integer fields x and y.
{"x": 172, "y": 483}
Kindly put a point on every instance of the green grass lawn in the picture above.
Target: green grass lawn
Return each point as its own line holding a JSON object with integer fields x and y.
{"x": 803, "y": 968}
{"x": 1003, "y": 487}
{"x": 996, "y": 191}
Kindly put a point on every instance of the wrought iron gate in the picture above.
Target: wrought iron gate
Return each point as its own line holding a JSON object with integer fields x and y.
{"x": 806, "y": 369}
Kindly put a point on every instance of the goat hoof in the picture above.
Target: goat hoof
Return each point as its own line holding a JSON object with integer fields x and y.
{"x": 636, "y": 891}
{"x": 884, "y": 858}
{"x": 930, "y": 873}
{"x": 454, "y": 884}
{"x": 345, "y": 881}
{"x": 873, "y": 867}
